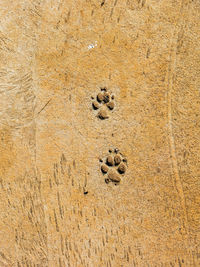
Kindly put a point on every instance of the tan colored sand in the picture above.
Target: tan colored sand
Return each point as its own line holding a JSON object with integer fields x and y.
{"x": 55, "y": 207}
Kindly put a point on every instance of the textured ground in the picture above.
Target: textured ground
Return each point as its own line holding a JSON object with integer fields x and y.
{"x": 55, "y": 207}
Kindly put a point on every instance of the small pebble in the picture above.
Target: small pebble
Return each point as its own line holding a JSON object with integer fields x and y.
{"x": 102, "y": 114}
{"x": 111, "y": 105}
{"x": 100, "y": 97}
{"x": 117, "y": 159}
{"x": 114, "y": 177}
{"x": 122, "y": 168}
{"x": 95, "y": 105}
{"x": 110, "y": 161}
{"x": 104, "y": 168}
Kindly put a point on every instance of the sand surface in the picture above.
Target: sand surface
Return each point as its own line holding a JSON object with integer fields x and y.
{"x": 99, "y": 133}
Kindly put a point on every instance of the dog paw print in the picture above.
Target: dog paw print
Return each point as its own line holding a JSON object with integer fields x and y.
{"x": 113, "y": 166}
{"x": 104, "y": 103}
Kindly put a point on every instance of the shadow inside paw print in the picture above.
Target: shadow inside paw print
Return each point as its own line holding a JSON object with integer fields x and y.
{"x": 114, "y": 167}
{"x": 104, "y": 102}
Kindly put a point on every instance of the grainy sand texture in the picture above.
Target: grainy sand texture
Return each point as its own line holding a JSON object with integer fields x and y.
{"x": 99, "y": 133}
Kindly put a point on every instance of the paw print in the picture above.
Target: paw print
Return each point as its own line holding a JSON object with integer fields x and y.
{"x": 104, "y": 102}
{"x": 114, "y": 166}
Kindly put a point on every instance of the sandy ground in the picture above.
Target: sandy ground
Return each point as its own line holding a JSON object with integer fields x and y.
{"x": 92, "y": 176}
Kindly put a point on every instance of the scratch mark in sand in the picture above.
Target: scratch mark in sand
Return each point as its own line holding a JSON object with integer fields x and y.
{"x": 44, "y": 107}
{"x": 171, "y": 70}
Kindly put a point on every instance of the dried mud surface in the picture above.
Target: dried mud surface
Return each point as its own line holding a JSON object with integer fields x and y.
{"x": 55, "y": 207}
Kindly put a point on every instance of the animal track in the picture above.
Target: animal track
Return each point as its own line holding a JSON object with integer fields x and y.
{"x": 104, "y": 102}
{"x": 113, "y": 166}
